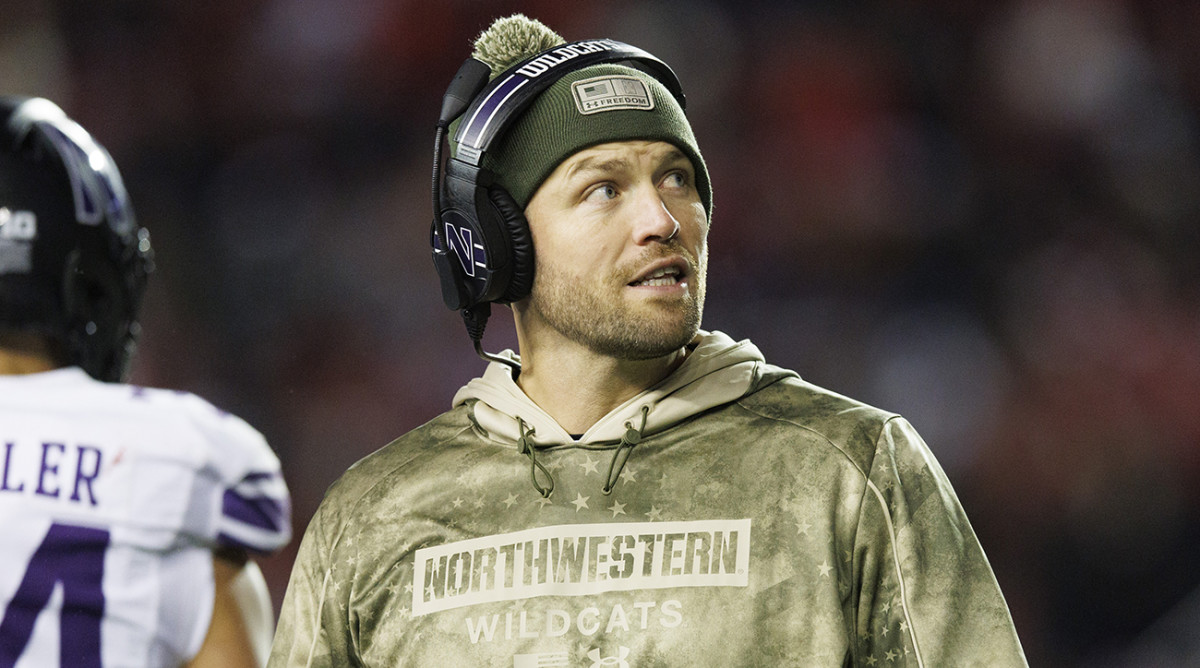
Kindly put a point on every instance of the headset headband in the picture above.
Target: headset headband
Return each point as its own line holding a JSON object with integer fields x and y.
{"x": 513, "y": 90}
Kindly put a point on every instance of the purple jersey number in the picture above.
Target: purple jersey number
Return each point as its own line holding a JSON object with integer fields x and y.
{"x": 73, "y": 557}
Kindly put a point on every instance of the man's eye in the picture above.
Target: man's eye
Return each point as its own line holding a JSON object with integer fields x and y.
{"x": 675, "y": 180}
{"x": 601, "y": 193}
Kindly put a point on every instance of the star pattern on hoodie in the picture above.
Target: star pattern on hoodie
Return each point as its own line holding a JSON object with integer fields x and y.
{"x": 580, "y": 502}
{"x": 589, "y": 465}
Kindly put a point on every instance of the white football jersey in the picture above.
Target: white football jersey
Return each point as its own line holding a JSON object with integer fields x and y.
{"x": 112, "y": 500}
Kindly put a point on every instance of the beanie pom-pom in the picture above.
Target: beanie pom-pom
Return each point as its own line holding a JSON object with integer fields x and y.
{"x": 511, "y": 39}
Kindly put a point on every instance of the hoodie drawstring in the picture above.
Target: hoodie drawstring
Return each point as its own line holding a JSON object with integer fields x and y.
{"x": 631, "y": 438}
{"x": 526, "y": 448}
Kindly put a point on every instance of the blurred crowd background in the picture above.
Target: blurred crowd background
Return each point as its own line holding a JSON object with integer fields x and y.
{"x": 982, "y": 215}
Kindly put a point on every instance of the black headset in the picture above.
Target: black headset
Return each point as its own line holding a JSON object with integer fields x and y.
{"x": 481, "y": 245}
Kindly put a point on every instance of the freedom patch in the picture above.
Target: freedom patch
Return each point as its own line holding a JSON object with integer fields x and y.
{"x": 611, "y": 92}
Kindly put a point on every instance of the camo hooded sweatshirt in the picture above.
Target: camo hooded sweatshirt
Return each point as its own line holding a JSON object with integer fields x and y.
{"x": 733, "y": 515}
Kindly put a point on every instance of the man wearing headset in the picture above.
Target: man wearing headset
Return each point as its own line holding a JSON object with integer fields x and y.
{"x": 128, "y": 514}
{"x": 629, "y": 490}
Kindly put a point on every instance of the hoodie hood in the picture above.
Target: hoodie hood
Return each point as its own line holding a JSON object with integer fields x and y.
{"x": 717, "y": 371}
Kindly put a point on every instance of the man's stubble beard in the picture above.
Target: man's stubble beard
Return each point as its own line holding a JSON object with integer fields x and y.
{"x": 599, "y": 319}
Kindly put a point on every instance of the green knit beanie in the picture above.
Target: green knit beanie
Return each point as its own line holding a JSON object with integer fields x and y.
{"x": 594, "y": 105}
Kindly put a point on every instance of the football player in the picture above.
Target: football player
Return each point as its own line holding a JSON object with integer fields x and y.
{"x": 130, "y": 515}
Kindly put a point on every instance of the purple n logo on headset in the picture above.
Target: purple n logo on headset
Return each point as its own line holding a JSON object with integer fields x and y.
{"x": 461, "y": 239}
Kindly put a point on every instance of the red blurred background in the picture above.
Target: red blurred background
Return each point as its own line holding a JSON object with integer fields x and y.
{"x": 982, "y": 215}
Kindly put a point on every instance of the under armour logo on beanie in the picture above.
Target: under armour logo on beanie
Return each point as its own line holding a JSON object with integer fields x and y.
{"x": 611, "y": 93}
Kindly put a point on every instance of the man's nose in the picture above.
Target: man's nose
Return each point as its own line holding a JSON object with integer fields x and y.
{"x": 654, "y": 220}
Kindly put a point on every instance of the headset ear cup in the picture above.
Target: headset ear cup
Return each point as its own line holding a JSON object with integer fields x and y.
{"x": 517, "y": 230}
